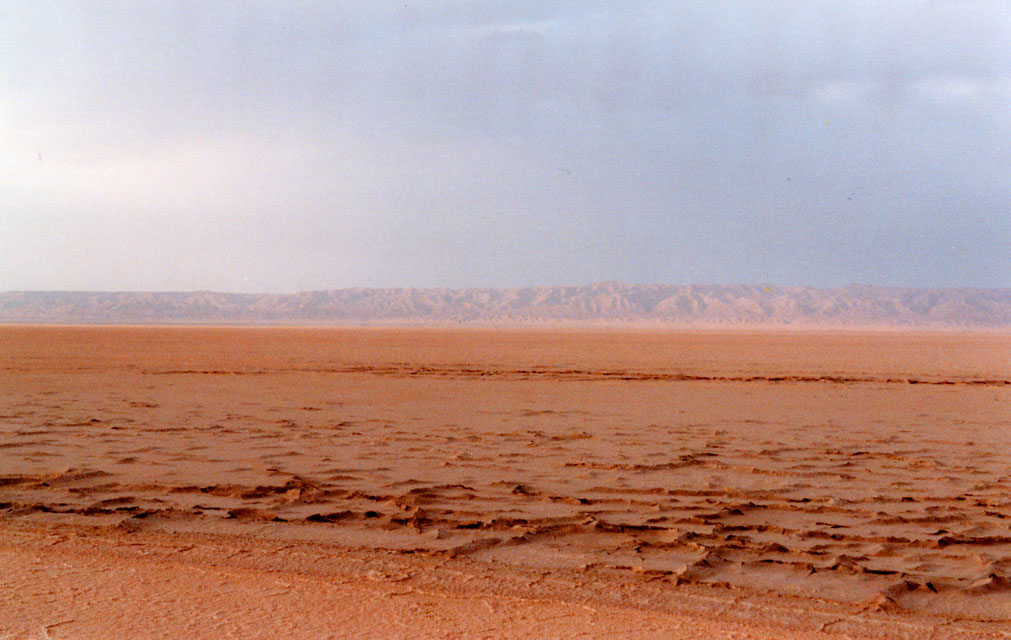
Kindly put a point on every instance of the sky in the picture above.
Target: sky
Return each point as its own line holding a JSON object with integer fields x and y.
{"x": 281, "y": 147}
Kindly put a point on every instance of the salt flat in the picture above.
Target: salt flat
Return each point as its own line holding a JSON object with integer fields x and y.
{"x": 504, "y": 483}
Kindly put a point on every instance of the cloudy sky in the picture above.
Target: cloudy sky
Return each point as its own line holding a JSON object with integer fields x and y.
{"x": 272, "y": 147}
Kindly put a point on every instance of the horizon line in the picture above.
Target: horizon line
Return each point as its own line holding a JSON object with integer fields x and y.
{"x": 761, "y": 285}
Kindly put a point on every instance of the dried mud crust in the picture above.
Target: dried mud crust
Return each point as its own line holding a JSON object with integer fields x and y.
{"x": 399, "y": 574}
{"x": 407, "y": 370}
{"x": 827, "y": 479}
{"x": 771, "y": 523}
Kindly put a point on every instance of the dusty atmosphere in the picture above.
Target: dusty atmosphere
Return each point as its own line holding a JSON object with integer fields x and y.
{"x": 305, "y": 483}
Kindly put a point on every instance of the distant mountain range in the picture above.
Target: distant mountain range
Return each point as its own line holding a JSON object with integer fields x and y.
{"x": 606, "y": 302}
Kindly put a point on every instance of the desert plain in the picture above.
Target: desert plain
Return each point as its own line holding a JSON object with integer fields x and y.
{"x": 244, "y": 482}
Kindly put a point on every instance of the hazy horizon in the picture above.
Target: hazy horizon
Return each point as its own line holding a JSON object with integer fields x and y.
{"x": 266, "y": 148}
{"x": 561, "y": 285}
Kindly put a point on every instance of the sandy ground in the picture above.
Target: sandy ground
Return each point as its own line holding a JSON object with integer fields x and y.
{"x": 195, "y": 482}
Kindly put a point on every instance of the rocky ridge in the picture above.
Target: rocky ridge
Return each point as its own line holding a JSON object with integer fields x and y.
{"x": 606, "y": 302}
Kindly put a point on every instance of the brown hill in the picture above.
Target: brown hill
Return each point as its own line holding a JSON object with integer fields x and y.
{"x": 607, "y": 302}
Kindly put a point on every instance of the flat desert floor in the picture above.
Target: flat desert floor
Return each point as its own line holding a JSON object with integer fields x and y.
{"x": 485, "y": 483}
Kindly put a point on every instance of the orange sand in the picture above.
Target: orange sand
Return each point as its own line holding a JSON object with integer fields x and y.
{"x": 197, "y": 482}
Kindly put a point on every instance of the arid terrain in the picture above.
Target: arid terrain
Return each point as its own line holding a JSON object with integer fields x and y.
{"x": 294, "y": 482}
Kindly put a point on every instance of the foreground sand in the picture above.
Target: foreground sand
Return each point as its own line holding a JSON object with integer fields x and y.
{"x": 308, "y": 483}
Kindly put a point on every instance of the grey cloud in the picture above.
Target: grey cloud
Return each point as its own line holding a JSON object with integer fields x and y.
{"x": 451, "y": 143}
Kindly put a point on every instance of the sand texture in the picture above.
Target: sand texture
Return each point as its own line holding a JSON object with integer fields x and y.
{"x": 416, "y": 483}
